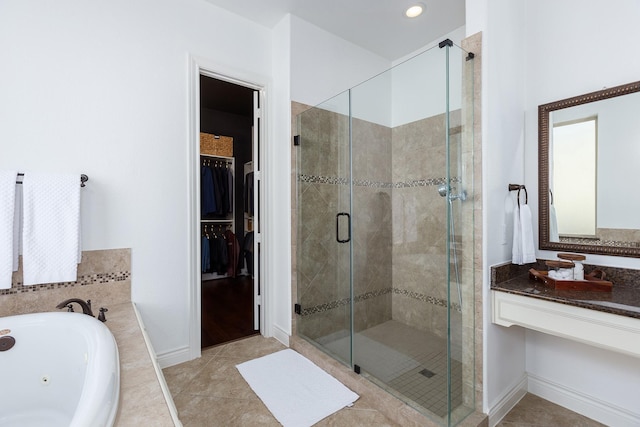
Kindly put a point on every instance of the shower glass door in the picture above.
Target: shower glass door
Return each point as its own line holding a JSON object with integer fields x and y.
{"x": 385, "y": 231}
{"x": 324, "y": 227}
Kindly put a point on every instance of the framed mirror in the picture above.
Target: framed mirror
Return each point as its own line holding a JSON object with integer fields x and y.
{"x": 589, "y": 172}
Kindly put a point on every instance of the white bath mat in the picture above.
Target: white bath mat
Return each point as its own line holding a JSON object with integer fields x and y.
{"x": 296, "y": 391}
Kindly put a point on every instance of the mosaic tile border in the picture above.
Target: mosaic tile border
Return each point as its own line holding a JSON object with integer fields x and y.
{"x": 334, "y": 180}
{"x": 321, "y": 308}
{"x": 89, "y": 279}
{"x": 587, "y": 241}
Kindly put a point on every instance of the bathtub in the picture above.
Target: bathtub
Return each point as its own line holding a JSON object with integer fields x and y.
{"x": 63, "y": 370}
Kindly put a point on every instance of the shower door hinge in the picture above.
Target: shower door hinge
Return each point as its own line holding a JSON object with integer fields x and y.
{"x": 296, "y": 140}
{"x": 446, "y": 42}
{"x": 356, "y": 369}
{"x": 297, "y": 308}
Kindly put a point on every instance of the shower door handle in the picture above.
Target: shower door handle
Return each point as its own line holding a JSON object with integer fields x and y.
{"x": 338, "y": 227}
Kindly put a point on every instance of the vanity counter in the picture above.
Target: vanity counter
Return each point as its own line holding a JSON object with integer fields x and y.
{"x": 623, "y": 300}
{"x": 609, "y": 320}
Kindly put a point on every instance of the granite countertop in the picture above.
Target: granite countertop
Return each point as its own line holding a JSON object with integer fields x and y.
{"x": 623, "y": 300}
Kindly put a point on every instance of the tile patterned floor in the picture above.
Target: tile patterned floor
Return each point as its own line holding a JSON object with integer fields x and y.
{"x": 533, "y": 411}
{"x": 210, "y": 392}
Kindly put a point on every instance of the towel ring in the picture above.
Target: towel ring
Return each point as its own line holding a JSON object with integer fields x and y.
{"x": 514, "y": 187}
{"x": 526, "y": 196}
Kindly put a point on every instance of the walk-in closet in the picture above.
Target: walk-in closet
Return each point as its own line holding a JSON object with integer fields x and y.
{"x": 228, "y": 286}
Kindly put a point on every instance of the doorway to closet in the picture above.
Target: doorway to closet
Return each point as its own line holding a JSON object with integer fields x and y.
{"x": 229, "y": 282}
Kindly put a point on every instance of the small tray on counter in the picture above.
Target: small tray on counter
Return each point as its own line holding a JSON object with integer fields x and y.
{"x": 592, "y": 282}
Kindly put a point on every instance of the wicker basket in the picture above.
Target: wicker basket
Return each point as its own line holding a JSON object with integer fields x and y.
{"x": 216, "y": 145}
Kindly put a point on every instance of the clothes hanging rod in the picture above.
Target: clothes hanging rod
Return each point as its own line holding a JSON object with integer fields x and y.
{"x": 83, "y": 178}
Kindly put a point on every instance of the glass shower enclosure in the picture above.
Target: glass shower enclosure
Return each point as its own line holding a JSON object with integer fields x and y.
{"x": 385, "y": 252}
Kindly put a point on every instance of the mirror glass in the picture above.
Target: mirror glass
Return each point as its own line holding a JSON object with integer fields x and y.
{"x": 589, "y": 167}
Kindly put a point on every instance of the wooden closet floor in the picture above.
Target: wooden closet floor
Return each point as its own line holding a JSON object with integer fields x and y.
{"x": 227, "y": 310}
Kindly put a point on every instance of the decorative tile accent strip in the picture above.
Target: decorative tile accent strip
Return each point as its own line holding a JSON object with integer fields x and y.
{"x": 420, "y": 297}
{"x": 313, "y": 179}
{"x": 372, "y": 294}
{"x": 586, "y": 241}
{"x": 333, "y": 180}
{"x": 370, "y": 183}
{"x": 89, "y": 279}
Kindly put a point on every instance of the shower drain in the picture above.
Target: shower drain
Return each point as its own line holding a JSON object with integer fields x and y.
{"x": 427, "y": 373}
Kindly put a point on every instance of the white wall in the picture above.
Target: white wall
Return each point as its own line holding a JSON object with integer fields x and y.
{"x": 324, "y": 65}
{"x": 573, "y": 48}
{"x": 278, "y": 152}
{"x": 501, "y": 23}
{"x": 102, "y": 88}
{"x": 419, "y": 81}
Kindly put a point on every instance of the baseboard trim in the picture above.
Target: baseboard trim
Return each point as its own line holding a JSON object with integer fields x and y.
{"x": 281, "y": 335}
{"x": 174, "y": 357}
{"x": 507, "y": 401}
{"x": 589, "y": 406}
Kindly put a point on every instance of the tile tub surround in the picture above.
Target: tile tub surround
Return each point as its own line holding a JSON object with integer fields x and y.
{"x": 104, "y": 277}
{"x": 142, "y": 402}
{"x": 625, "y": 294}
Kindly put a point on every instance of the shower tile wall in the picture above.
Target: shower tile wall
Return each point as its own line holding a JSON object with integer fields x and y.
{"x": 372, "y": 232}
{"x": 323, "y": 270}
{"x": 323, "y": 267}
{"x": 400, "y": 218}
{"x": 420, "y": 222}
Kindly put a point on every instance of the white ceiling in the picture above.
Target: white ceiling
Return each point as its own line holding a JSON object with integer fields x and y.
{"x": 376, "y": 25}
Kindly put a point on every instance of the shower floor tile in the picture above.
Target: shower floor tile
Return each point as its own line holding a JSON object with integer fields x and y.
{"x": 396, "y": 354}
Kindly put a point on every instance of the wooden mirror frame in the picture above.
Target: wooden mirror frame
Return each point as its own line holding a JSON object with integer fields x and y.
{"x": 543, "y": 173}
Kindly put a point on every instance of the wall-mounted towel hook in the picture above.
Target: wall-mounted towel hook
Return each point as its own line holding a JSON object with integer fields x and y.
{"x": 518, "y": 187}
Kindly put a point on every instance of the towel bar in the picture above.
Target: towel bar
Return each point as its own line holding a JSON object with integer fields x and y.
{"x": 83, "y": 178}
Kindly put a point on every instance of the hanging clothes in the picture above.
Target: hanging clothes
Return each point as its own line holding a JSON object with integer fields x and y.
{"x": 247, "y": 250}
{"x": 233, "y": 250}
{"x": 219, "y": 255}
{"x": 230, "y": 189}
{"x": 216, "y": 188}
{"x": 248, "y": 193}
{"x": 207, "y": 192}
{"x": 206, "y": 254}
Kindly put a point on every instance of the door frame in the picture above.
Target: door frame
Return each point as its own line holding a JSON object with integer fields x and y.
{"x": 201, "y": 66}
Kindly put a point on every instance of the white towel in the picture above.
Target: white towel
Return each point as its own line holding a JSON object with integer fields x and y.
{"x": 528, "y": 247}
{"x": 17, "y": 228}
{"x": 7, "y": 212}
{"x": 516, "y": 248}
{"x": 523, "y": 251}
{"x": 51, "y": 229}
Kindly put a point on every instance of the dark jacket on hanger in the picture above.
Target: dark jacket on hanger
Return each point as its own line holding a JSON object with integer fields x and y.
{"x": 233, "y": 249}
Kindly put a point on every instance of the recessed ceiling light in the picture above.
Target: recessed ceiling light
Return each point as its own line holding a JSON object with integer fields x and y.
{"x": 414, "y": 11}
